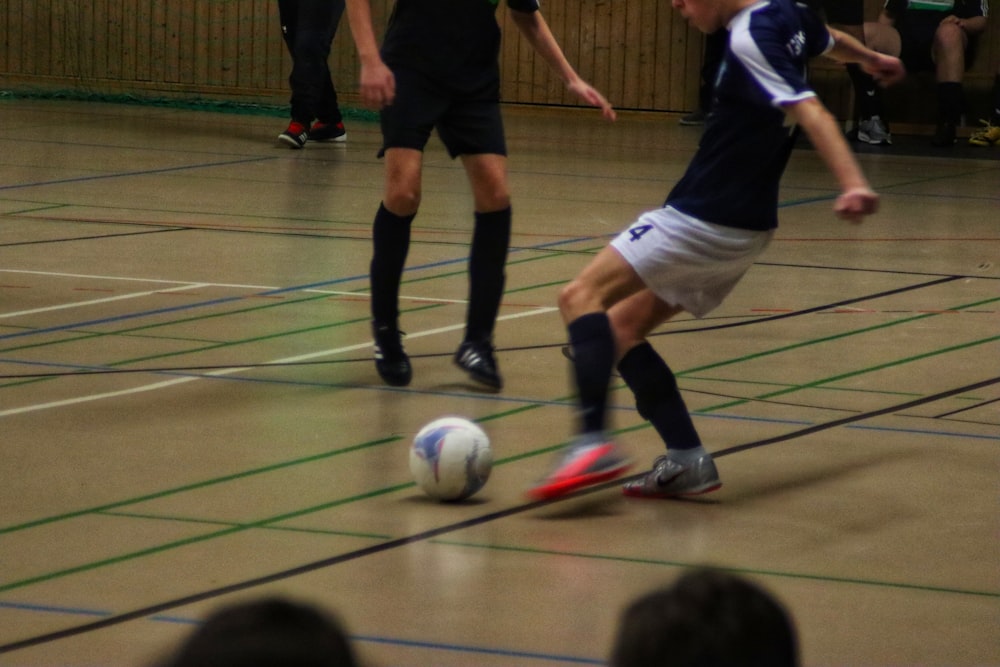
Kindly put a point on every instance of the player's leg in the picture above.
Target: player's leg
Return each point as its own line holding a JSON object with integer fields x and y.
{"x": 948, "y": 53}
{"x": 406, "y": 127}
{"x": 687, "y": 468}
{"x": 390, "y": 246}
{"x": 487, "y": 174}
{"x": 873, "y": 126}
{"x": 471, "y": 128}
{"x": 592, "y": 457}
{"x": 306, "y": 29}
{"x": 329, "y": 125}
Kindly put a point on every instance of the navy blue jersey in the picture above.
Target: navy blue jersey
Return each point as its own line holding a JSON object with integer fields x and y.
{"x": 453, "y": 42}
{"x": 733, "y": 178}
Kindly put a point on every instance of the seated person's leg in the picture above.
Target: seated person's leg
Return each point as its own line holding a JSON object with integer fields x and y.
{"x": 948, "y": 53}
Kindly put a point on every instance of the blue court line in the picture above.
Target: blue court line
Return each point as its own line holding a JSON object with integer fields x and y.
{"x": 124, "y": 174}
{"x": 274, "y": 292}
{"x": 182, "y": 620}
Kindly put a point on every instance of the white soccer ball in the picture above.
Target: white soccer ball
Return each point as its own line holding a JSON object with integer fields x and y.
{"x": 450, "y": 458}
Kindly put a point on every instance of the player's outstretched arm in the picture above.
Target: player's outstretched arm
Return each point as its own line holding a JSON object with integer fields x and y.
{"x": 534, "y": 28}
{"x": 378, "y": 86}
{"x": 856, "y": 199}
{"x": 886, "y": 70}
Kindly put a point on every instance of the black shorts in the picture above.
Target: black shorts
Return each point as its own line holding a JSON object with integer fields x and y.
{"x": 917, "y": 41}
{"x": 844, "y": 12}
{"x": 467, "y": 121}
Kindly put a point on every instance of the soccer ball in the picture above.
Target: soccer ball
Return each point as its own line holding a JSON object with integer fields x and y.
{"x": 450, "y": 458}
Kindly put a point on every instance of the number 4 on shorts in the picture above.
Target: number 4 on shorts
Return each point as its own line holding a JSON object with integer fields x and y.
{"x": 638, "y": 231}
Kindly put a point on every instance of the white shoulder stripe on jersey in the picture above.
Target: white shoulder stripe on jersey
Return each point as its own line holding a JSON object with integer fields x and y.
{"x": 743, "y": 46}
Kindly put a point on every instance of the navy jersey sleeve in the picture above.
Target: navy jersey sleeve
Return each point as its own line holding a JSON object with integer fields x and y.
{"x": 774, "y": 50}
{"x": 818, "y": 38}
{"x": 523, "y": 5}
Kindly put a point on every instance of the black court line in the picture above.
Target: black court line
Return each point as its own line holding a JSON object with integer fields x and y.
{"x": 95, "y": 237}
{"x": 126, "y": 174}
{"x": 83, "y": 370}
{"x": 965, "y": 409}
{"x": 306, "y": 568}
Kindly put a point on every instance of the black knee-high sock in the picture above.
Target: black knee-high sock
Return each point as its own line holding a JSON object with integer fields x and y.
{"x": 995, "y": 114}
{"x": 593, "y": 346}
{"x": 867, "y": 94}
{"x": 487, "y": 259}
{"x": 657, "y": 396}
{"x": 951, "y": 101}
{"x": 390, "y": 242}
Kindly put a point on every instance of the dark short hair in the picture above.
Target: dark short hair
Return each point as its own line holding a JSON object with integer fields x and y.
{"x": 266, "y": 633}
{"x": 707, "y": 618}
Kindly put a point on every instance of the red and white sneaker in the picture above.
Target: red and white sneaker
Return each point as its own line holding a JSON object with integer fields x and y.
{"x": 591, "y": 458}
{"x": 321, "y": 131}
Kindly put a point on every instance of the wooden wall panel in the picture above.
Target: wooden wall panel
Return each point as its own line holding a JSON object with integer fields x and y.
{"x": 640, "y": 53}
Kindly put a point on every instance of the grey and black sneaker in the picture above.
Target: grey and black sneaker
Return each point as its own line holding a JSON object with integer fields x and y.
{"x": 391, "y": 362}
{"x": 874, "y": 131}
{"x": 670, "y": 478}
{"x": 477, "y": 359}
{"x": 696, "y": 117}
{"x": 295, "y": 135}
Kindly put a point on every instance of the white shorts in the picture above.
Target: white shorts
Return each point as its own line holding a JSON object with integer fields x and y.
{"x": 687, "y": 262}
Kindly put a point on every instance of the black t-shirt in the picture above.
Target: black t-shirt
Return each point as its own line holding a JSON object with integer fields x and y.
{"x": 930, "y": 12}
{"x": 456, "y": 42}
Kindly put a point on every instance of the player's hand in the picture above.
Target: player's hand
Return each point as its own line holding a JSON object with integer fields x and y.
{"x": 378, "y": 85}
{"x": 854, "y": 204}
{"x": 886, "y": 70}
{"x": 591, "y": 96}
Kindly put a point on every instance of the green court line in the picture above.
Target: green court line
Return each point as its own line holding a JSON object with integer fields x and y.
{"x": 213, "y": 522}
{"x": 201, "y": 485}
{"x": 231, "y": 530}
{"x": 870, "y": 369}
{"x": 236, "y": 476}
{"x": 687, "y": 565}
{"x": 36, "y": 209}
{"x": 264, "y": 522}
{"x": 582, "y": 555}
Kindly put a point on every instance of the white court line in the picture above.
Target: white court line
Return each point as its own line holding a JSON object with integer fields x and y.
{"x": 229, "y": 371}
{"x": 263, "y": 288}
{"x": 109, "y": 299}
{"x": 57, "y": 274}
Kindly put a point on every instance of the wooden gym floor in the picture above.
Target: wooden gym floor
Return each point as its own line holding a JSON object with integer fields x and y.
{"x": 189, "y": 415}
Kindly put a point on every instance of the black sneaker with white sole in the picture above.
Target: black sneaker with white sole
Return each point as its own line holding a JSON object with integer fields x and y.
{"x": 477, "y": 359}
{"x": 321, "y": 131}
{"x": 391, "y": 362}
{"x": 295, "y": 135}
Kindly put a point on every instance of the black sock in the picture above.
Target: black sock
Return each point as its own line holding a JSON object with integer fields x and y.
{"x": 593, "y": 346}
{"x": 995, "y": 117}
{"x": 951, "y": 101}
{"x": 657, "y": 396}
{"x": 390, "y": 243}
{"x": 867, "y": 94}
{"x": 487, "y": 260}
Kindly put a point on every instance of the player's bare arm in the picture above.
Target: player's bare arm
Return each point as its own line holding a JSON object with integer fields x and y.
{"x": 378, "y": 86}
{"x": 535, "y": 29}
{"x": 886, "y": 70}
{"x": 857, "y": 199}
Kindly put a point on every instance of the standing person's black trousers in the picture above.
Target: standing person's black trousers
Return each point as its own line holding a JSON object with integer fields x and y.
{"x": 308, "y": 27}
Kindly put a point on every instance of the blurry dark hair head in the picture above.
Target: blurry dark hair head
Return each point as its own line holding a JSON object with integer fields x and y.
{"x": 266, "y": 633}
{"x": 707, "y": 618}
